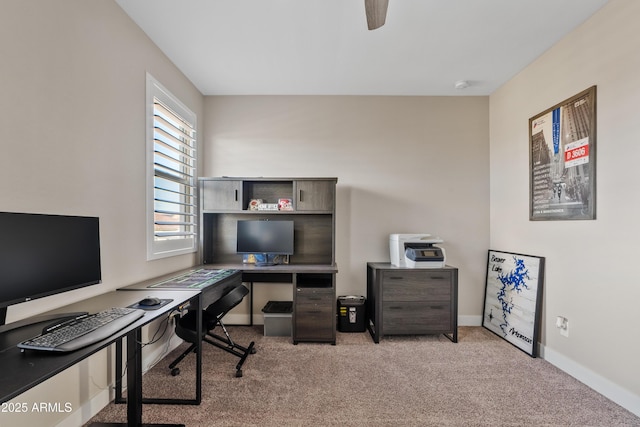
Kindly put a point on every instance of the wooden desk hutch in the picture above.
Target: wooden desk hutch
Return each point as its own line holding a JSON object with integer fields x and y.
{"x": 311, "y": 269}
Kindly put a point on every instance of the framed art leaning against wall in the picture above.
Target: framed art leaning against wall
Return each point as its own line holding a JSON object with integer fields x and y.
{"x": 562, "y": 152}
{"x": 513, "y": 298}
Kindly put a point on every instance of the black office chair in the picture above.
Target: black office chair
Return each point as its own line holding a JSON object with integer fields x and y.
{"x": 212, "y": 317}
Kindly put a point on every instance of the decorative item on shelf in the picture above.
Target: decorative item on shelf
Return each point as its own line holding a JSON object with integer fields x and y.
{"x": 260, "y": 259}
{"x": 254, "y": 204}
{"x": 268, "y": 207}
{"x": 248, "y": 259}
{"x": 279, "y": 259}
{"x": 285, "y": 205}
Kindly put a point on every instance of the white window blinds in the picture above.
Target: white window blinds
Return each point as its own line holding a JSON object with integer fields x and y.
{"x": 172, "y": 170}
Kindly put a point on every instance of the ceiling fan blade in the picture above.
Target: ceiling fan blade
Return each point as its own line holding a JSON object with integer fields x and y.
{"x": 376, "y": 12}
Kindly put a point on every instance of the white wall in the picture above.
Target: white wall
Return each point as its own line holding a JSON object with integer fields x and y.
{"x": 72, "y": 114}
{"x": 591, "y": 276}
{"x": 404, "y": 165}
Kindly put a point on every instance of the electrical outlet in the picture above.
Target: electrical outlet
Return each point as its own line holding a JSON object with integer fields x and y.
{"x": 564, "y": 331}
{"x": 562, "y": 323}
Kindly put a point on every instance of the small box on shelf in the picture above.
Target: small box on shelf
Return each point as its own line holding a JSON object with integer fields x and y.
{"x": 268, "y": 207}
{"x": 285, "y": 205}
{"x": 254, "y": 204}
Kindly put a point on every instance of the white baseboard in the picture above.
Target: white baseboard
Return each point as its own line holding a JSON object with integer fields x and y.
{"x": 243, "y": 319}
{"x": 106, "y": 396}
{"x": 258, "y": 319}
{"x": 469, "y": 320}
{"x": 88, "y": 410}
{"x": 613, "y": 392}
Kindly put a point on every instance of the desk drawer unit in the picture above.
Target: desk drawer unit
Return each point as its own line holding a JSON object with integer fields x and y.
{"x": 403, "y": 301}
{"x": 313, "y": 322}
{"x": 314, "y": 313}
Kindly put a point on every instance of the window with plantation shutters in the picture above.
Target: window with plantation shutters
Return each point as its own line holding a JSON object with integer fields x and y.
{"x": 171, "y": 170}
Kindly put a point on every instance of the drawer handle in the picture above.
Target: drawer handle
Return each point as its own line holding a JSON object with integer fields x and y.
{"x": 431, "y": 277}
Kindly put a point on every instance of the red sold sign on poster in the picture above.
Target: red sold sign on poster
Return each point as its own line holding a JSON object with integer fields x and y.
{"x": 576, "y": 153}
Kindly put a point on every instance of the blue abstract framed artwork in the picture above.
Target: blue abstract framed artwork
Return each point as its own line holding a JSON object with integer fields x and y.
{"x": 513, "y": 298}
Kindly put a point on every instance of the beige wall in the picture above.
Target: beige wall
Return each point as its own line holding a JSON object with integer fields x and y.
{"x": 73, "y": 71}
{"x": 404, "y": 165}
{"x": 72, "y": 114}
{"x": 591, "y": 269}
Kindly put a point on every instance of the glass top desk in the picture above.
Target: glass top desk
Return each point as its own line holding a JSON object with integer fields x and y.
{"x": 213, "y": 282}
{"x": 215, "y": 279}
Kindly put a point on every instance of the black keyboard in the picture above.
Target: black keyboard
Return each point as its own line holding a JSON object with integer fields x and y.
{"x": 83, "y": 330}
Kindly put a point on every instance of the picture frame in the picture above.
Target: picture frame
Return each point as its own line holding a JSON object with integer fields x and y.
{"x": 513, "y": 298}
{"x": 562, "y": 160}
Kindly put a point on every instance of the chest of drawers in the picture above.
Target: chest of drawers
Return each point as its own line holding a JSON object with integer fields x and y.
{"x": 410, "y": 301}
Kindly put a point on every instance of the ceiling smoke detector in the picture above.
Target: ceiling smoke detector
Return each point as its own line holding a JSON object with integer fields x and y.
{"x": 461, "y": 84}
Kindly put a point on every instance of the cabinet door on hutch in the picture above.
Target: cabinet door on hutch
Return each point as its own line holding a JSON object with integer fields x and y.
{"x": 315, "y": 195}
{"x": 222, "y": 195}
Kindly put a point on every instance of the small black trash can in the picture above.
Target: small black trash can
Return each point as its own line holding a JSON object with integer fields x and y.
{"x": 351, "y": 313}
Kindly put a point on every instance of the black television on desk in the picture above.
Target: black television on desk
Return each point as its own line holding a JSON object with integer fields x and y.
{"x": 42, "y": 255}
{"x": 265, "y": 237}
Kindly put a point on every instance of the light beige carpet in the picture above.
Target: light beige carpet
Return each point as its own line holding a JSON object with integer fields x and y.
{"x": 403, "y": 381}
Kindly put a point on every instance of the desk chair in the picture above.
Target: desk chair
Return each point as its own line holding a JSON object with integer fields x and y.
{"x": 211, "y": 318}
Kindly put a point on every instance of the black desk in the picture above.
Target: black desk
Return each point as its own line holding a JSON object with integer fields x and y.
{"x": 24, "y": 370}
{"x": 211, "y": 291}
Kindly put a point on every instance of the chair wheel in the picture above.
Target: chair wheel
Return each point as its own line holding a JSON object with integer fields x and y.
{"x": 253, "y": 350}
{"x": 175, "y": 372}
{"x": 239, "y": 373}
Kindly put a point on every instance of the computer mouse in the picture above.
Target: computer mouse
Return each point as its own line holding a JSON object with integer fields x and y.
{"x": 150, "y": 301}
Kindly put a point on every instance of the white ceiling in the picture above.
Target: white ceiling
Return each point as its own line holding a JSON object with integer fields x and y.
{"x": 323, "y": 47}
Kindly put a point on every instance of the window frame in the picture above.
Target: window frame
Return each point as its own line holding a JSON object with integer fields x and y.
{"x": 158, "y": 247}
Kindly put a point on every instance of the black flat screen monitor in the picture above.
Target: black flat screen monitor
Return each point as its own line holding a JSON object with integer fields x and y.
{"x": 265, "y": 237}
{"x": 42, "y": 255}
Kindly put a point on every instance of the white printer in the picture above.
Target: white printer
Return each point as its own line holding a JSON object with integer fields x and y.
{"x": 416, "y": 251}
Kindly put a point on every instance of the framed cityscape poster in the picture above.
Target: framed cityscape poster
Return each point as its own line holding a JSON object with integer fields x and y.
{"x": 513, "y": 298}
{"x": 562, "y": 169}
